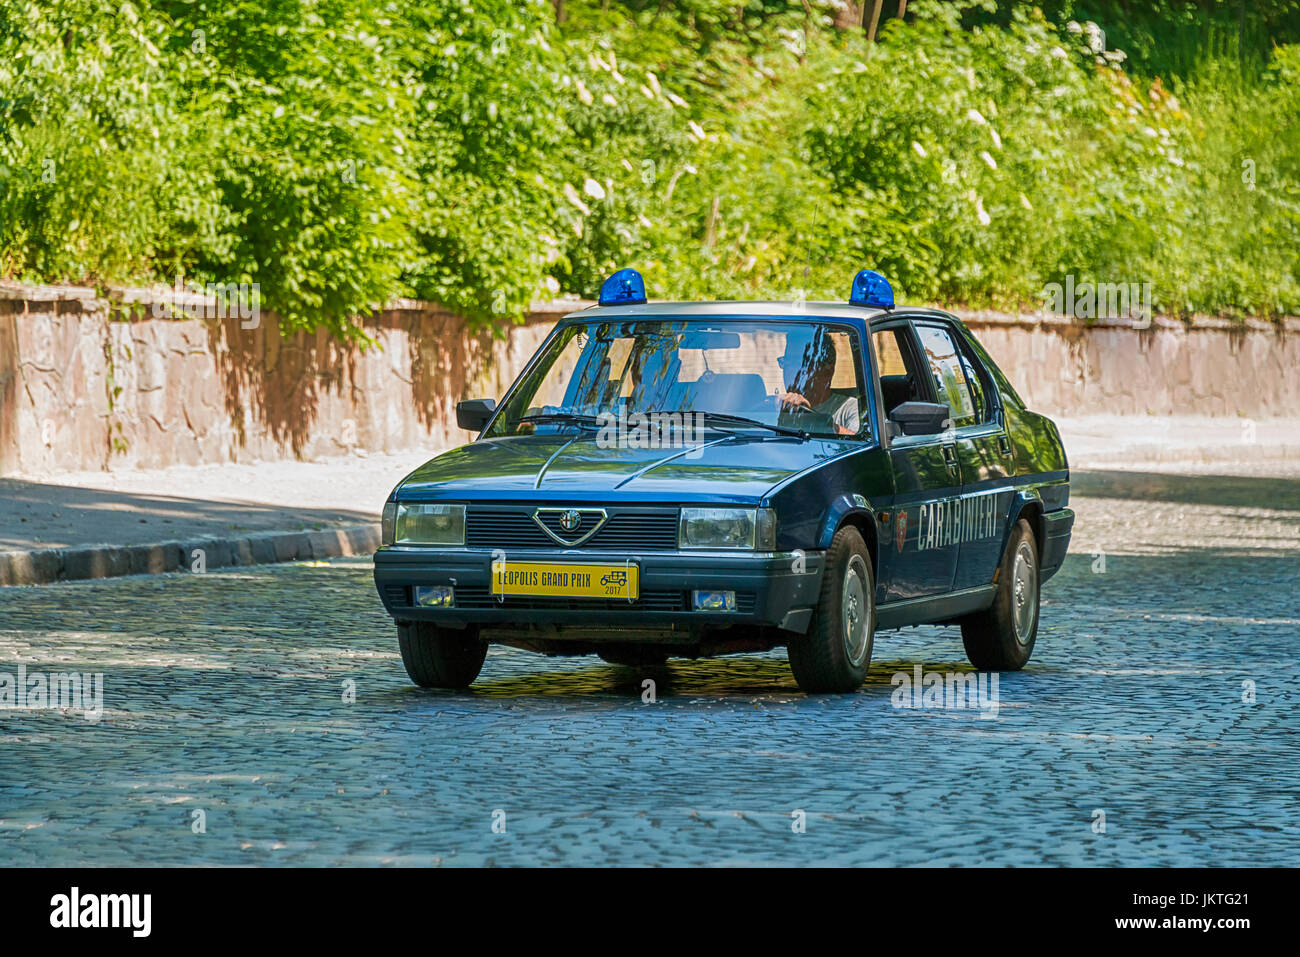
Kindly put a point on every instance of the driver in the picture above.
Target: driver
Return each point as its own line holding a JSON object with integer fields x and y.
{"x": 808, "y": 365}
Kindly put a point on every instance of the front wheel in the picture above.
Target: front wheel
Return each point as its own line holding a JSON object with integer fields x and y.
{"x": 835, "y": 653}
{"x": 440, "y": 657}
{"x": 1002, "y": 638}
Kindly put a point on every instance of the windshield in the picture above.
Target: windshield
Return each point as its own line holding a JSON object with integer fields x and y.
{"x": 800, "y": 376}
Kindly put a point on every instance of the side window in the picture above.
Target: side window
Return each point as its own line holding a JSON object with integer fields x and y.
{"x": 983, "y": 412}
{"x": 899, "y": 381}
{"x": 950, "y": 382}
{"x": 889, "y": 353}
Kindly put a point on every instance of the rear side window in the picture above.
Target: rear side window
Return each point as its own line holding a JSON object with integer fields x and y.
{"x": 983, "y": 411}
{"x": 950, "y": 383}
{"x": 1000, "y": 381}
{"x": 889, "y": 353}
{"x": 900, "y": 379}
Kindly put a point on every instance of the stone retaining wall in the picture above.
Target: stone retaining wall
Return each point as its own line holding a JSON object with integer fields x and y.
{"x": 1115, "y": 367}
{"x": 81, "y": 389}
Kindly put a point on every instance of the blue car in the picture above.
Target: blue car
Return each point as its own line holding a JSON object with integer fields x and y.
{"x": 700, "y": 478}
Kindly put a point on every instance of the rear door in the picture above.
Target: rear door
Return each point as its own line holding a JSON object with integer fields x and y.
{"x": 927, "y": 475}
{"x": 979, "y": 512}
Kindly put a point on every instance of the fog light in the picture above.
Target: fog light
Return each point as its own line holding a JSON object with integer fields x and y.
{"x": 434, "y": 596}
{"x": 714, "y": 600}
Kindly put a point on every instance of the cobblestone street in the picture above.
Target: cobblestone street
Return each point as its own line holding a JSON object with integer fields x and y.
{"x": 225, "y": 693}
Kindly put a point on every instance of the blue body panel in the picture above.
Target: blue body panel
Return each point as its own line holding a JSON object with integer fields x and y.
{"x": 934, "y": 510}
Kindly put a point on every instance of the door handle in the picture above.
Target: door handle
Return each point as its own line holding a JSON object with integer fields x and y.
{"x": 1004, "y": 444}
{"x": 950, "y": 457}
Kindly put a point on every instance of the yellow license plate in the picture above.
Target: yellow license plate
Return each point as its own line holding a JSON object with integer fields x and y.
{"x": 565, "y": 579}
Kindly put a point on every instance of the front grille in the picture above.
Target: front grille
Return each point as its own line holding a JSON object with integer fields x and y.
{"x": 479, "y": 596}
{"x": 628, "y": 530}
{"x": 588, "y": 519}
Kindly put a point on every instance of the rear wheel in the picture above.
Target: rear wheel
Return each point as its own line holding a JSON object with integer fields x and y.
{"x": 440, "y": 657}
{"x": 836, "y": 652}
{"x": 1002, "y": 638}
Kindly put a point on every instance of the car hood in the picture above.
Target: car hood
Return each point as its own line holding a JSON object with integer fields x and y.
{"x": 738, "y": 468}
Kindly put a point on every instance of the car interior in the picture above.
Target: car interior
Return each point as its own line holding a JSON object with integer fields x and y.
{"x": 897, "y": 389}
{"x": 743, "y": 392}
{"x": 680, "y": 373}
{"x": 899, "y": 381}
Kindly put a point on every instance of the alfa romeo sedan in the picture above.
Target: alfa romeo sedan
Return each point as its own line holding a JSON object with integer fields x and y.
{"x": 701, "y": 478}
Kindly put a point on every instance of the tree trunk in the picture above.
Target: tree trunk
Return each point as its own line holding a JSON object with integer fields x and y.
{"x": 875, "y": 19}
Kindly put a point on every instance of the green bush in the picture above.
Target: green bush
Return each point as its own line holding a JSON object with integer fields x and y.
{"x": 308, "y": 119}
{"x": 489, "y": 144}
{"x": 339, "y": 154}
{"x": 95, "y": 144}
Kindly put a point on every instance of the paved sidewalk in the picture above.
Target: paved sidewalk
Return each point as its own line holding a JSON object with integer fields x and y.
{"x": 1231, "y": 446}
{"x": 100, "y": 524}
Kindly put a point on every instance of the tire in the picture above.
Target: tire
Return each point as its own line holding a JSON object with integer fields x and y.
{"x": 833, "y": 657}
{"x": 1002, "y": 638}
{"x": 440, "y": 657}
{"x": 632, "y": 656}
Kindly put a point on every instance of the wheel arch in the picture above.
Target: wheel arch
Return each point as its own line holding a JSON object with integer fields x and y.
{"x": 1029, "y": 506}
{"x": 847, "y": 512}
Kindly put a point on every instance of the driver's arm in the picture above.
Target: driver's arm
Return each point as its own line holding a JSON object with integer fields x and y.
{"x": 846, "y": 418}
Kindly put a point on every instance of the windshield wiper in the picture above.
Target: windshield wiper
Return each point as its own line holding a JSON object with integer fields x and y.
{"x": 743, "y": 420}
{"x": 595, "y": 422}
{"x": 565, "y": 418}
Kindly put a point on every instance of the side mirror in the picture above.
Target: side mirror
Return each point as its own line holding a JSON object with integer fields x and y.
{"x": 473, "y": 414}
{"x": 920, "y": 418}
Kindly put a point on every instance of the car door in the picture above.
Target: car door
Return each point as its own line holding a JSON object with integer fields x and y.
{"x": 927, "y": 475}
{"x": 983, "y": 452}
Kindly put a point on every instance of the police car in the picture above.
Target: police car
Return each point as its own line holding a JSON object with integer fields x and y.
{"x": 699, "y": 478}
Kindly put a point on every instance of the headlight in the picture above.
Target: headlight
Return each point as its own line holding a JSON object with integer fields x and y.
{"x": 751, "y": 528}
{"x": 421, "y": 524}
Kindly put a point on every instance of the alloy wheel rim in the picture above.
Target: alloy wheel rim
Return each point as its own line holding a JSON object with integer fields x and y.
{"x": 1024, "y": 593}
{"x": 855, "y": 610}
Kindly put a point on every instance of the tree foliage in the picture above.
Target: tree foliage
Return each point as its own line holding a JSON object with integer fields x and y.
{"x": 484, "y": 155}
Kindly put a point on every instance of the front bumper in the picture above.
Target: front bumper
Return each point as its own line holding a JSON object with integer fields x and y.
{"x": 777, "y": 589}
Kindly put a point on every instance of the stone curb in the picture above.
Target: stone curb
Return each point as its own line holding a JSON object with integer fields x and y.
{"x": 42, "y": 566}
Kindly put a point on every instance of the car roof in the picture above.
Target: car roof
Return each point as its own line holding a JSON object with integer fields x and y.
{"x": 805, "y": 310}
